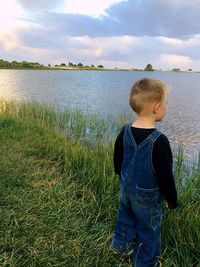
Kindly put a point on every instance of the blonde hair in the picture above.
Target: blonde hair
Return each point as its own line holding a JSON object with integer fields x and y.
{"x": 146, "y": 91}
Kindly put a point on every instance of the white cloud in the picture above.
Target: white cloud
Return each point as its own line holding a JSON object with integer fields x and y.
{"x": 10, "y": 11}
{"x": 190, "y": 42}
{"x": 118, "y": 45}
{"x": 10, "y": 41}
{"x": 177, "y": 61}
{"x": 40, "y": 5}
{"x": 171, "y": 41}
{"x": 88, "y": 7}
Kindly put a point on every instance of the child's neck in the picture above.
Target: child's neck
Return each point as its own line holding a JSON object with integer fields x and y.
{"x": 144, "y": 122}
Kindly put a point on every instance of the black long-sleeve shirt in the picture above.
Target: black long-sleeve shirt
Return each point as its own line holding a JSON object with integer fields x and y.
{"x": 161, "y": 158}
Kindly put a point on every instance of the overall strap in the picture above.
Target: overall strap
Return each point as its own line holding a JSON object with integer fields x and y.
{"x": 153, "y": 136}
{"x": 128, "y": 137}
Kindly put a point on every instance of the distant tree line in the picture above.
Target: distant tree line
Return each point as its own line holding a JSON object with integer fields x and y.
{"x": 150, "y": 68}
{"x": 20, "y": 65}
{"x": 35, "y": 65}
{"x": 79, "y": 65}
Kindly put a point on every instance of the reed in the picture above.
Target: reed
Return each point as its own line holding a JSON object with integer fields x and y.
{"x": 59, "y": 195}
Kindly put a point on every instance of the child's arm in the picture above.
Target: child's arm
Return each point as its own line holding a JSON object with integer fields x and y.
{"x": 163, "y": 163}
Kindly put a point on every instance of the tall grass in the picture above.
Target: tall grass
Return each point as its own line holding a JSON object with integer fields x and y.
{"x": 81, "y": 127}
{"x": 59, "y": 195}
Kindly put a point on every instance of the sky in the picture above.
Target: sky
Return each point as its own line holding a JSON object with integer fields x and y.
{"x": 114, "y": 33}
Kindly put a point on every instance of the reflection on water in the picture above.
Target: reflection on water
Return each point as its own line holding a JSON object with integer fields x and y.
{"x": 107, "y": 92}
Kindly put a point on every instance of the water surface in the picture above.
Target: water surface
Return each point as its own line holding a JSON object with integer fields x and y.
{"x": 107, "y": 92}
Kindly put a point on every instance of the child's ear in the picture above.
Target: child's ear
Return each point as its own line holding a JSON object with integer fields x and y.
{"x": 156, "y": 106}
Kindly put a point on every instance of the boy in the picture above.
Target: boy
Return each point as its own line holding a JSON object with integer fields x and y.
{"x": 143, "y": 159}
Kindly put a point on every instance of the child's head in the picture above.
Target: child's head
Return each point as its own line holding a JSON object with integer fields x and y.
{"x": 149, "y": 95}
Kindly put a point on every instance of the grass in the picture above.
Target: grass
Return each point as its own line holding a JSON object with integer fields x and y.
{"x": 59, "y": 195}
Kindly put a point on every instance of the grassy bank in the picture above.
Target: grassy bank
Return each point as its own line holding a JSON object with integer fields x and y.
{"x": 59, "y": 195}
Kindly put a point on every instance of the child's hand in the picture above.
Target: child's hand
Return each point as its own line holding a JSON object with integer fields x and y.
{"x": 170, "y": 206}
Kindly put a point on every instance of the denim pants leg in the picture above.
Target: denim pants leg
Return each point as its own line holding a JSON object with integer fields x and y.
{"x": 125, "y": 229}
{"x": 148, "y": 215}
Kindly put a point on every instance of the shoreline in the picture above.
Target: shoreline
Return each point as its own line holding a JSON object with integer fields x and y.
{"x": 96, "y": 69}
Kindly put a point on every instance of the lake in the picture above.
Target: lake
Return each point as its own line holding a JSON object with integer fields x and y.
{"x": 107, "y": 92}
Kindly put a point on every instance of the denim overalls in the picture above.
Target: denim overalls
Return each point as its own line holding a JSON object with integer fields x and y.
{"x": 137, "y": 230}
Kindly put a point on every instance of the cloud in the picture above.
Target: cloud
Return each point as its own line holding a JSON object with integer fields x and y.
{"x": 110, "y": 52}
{"x": 158, "y": 18}
{"x": 128, "y": 51}
{"x": 176, "y": 60}
{"x": 40, "y": 37}
{"x": 9, "y": 41}
{"x": 87, "y": 7}
{"x": 40, "y": 5}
